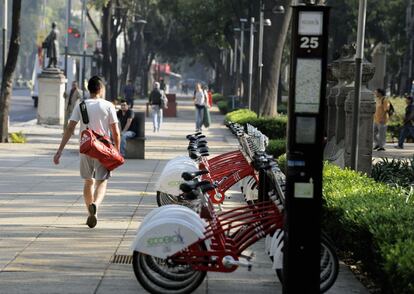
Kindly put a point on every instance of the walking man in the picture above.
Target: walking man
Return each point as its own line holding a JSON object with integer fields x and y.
{"x": 155, "y": 102}
{"x": 75, "y": 95}
{"x": 103, "y": 120}
{"x": 129, "y": 92}
{"x": 408, "y": 123}
{"x": 382, "y": 105}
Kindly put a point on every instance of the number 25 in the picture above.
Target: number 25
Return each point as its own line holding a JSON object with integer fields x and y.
{"x": 312, "y": 42}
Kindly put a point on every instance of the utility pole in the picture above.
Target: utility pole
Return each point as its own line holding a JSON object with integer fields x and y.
{"x": 260, "y": 55}
{"x": 68, "y": 21}
{"x": 83, "y": 19}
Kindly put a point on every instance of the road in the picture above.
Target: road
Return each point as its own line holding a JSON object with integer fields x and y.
{"x": 21, "y": 106}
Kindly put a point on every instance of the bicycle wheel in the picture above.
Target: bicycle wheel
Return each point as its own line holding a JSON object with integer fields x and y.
{"x": 155, "y": 283}
{"x": 175, "y": 273}
{"x": 329, "y": 266}
{"x": 166, "y": 199}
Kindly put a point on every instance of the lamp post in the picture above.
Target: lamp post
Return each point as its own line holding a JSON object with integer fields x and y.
{"x": 68, "y": 21}
{"x": 236, "y": 73}
{"x": 83, "y": 24}
{"x": 358, "y": 76}
{"x": 242, "y": 22}
{"x": 251, "y": 46}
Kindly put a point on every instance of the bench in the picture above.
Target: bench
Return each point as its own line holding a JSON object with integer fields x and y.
{"x": 135, "y": 147}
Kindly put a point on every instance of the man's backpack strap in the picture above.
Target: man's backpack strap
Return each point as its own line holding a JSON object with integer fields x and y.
{"x": 84, "y": 112}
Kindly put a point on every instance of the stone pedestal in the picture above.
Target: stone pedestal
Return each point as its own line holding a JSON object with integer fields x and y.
{"x": 51, "y": 104}
{"x": 366, "y": 112}
{"x": 379, "y": 60}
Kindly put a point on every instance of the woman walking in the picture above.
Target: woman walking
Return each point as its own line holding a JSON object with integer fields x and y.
{"x": 200, "y": 99}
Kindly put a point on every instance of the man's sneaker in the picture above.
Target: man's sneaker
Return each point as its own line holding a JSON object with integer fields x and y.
{"x": 398, "y": 147}
{"x": 92, "y": 220}
{"x": 376, "y": 147}
{"x": 381, "y": 149}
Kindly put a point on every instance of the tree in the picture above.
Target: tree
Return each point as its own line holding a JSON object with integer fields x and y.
{"x": 7, "y": 81}
{"x": 274, "y": 40}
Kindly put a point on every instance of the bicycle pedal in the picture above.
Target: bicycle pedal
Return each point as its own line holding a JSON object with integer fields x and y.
{"x": 228, "y": 261}
{"x": 248, "y": 257}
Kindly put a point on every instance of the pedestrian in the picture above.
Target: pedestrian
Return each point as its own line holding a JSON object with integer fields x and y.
{"x": 129, "y": 92}
{"x": 382, "y": 106}
{"x": 125, "y": 117}
{"x": 200, "y": 100}
{"x": 74, "y": 96}
{"x": 408, "y": 123}
{"x": 163, "y": 86}
{"x": 156, "y": 109}
{"x": 103, "y": 120}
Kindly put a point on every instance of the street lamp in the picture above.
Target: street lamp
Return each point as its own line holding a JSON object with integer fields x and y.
{"x": 358, "y": 76}
{"x": 242, "y": 22}
{"x": 68, "y": 21}
{"x": 251, "y": 62}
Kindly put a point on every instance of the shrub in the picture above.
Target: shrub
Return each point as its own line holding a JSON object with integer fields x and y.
{"x": 218, "y": 97}
{"x": 281, "y": 161}
{"x": 375, "y": 222}
{"x": 273, "y": 127}
{"x": 276, "y": 147}
{"x": 240, "y": 116}
{"x": 222, "y": 105}
{"x": 17, "y": 137}
{"x": 399, "y": 172}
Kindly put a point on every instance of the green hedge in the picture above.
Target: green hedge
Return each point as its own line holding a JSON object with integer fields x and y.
{"x": 276, "y": 147}
{"x": 273, "y": 127}
{"x": 373, "y": 221}
{"x": 218, "y": 97}
{"x": 222, "y": 106}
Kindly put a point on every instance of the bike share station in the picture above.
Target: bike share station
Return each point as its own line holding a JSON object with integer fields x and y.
{"x": 301, "y": 260}
{"x": 189, "y": 234}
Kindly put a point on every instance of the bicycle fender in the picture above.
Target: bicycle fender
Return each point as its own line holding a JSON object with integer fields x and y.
{"x": 165, "y": 237}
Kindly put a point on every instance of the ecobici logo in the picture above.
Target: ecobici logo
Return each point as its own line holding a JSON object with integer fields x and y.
{"x": 166, "y": 240}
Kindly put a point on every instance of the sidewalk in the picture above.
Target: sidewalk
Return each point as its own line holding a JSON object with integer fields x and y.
{"x": 47, "y": 248}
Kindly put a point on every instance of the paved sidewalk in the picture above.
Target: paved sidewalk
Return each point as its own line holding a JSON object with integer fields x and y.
{"x": 47, "y": 248}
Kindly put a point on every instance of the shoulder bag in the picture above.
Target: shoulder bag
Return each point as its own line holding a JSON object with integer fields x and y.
{"x": 98, "y": 146}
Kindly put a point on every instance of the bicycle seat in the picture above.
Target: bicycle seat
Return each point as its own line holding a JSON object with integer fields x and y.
{"x": 193, "y": 135}
{"x": 193, "y": 154}
{"x": 188, "y": 176}
{"x": 193, "y": 138}
{"x": 190, "y": 186}
{"x": 192, "y": 195}
{"x": 203, "y": 149}
{"x": 207, "y": 187}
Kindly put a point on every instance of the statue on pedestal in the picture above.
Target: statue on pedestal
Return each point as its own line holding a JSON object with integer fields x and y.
{"x": 51, "y": 44}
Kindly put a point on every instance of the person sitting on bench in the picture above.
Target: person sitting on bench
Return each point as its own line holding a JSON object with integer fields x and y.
{"x": 125, "y": 117}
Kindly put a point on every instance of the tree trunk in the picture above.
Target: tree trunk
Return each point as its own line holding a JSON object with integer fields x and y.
{"x": 7, "y": 81}
{"x": 106, "y": 40}
{"x": 275, "y": 37}
{"x": 113, "y": 74}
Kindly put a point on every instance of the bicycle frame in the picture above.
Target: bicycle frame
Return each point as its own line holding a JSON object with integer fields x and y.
{"x": 226, "y": 170}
